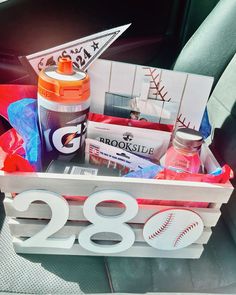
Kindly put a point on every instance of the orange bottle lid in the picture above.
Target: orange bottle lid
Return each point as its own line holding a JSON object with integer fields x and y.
{"x": 64, "y": 83}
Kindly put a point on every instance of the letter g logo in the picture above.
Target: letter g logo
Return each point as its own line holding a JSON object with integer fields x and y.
{"x": 67, "y": 139}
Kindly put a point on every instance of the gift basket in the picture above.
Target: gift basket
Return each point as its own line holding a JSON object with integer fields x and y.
{"x": 105, "y": 158}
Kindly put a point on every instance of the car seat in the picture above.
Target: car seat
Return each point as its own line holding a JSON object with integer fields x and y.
{"x": 211, "y": 51}
{"x": 207, "y": 52}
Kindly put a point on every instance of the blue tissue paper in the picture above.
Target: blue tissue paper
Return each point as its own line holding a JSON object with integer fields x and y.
{"x": 23, "y": 116}
{"x": 148, "y": 172}
{"x": 205, "y": 128}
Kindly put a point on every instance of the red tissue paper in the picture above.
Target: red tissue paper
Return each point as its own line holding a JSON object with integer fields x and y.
{"x": 11, "y": 153}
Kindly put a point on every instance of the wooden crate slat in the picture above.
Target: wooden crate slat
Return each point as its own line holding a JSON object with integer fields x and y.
{"x": 137, "y": 250}
{"x": 139, "y": 188}
{"x": 210, "y": 216}
{"x": 28, "y": 228}
{"x": 31, "y": 222}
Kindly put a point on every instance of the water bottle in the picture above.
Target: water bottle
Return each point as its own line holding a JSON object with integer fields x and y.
{"x": 63, "y": 107}
{"x": 184, "y": 153}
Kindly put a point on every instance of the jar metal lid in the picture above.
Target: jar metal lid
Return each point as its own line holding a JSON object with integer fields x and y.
{"x": 188, "y": 139}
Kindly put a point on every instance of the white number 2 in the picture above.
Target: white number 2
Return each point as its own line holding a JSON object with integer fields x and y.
{"x": 112, "y": 224}
{"x": 60, "y": 214}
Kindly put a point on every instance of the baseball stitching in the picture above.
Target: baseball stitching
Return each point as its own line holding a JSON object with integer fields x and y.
{"x": 163, "y": 227}
{"x": 184, "y": 232}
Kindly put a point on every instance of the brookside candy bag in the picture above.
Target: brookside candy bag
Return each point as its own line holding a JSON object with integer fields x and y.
{"x": 145, "y": 143}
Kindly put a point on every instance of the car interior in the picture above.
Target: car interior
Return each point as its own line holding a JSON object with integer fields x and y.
{"x": 194, "y": 36}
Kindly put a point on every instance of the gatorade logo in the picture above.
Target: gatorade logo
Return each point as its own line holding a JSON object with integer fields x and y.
{"x": 66, "y": 140}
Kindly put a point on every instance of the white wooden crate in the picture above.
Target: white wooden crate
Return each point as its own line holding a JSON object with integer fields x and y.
{"x": 27, "y": 223}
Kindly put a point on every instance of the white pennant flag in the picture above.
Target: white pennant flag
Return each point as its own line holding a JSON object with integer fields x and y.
{"x": 83, "y": 52}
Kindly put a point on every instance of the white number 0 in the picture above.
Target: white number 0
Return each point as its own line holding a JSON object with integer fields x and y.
{"x": 113, "y": 224}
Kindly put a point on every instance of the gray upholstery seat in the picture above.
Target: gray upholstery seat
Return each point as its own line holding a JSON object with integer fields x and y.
{"x": 222, "y": 114}
{"x": 208, "y": 52}
{"x": 211, "y": 51}
{"x": 213, "y": 45}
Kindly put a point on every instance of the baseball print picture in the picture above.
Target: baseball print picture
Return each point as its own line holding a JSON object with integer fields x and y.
{"x": 146, "y": 93}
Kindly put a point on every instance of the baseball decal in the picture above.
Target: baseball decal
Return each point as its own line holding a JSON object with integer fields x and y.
{"x": 173, "y": 229}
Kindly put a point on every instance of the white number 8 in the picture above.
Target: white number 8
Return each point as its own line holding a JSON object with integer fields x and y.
{"x": 113, "y": 224}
